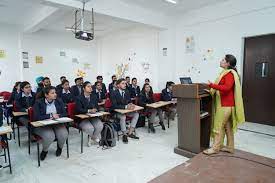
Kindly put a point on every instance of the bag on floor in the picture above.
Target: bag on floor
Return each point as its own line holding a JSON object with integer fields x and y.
{"x": 141, "y": 122}
{"x": 108, "y": 135}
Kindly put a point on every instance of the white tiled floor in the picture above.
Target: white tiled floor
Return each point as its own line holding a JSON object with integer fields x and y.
{"x": 137, "y": 162}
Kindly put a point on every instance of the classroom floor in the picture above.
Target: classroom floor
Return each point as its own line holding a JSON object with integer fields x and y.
{"x": 137, "y": 162}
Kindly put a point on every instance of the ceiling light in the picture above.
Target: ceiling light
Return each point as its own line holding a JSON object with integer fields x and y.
{"x": 172, "y": 1}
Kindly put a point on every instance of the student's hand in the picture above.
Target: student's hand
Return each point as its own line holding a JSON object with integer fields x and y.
{"x": 55, "y": 116}
{"x": 132, "y": 106}
{"x": 129, "y": 106}
{"x": 208, "y": 91}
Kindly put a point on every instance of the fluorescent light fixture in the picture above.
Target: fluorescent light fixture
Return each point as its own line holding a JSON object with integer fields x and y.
{"x": 172, "y": 1}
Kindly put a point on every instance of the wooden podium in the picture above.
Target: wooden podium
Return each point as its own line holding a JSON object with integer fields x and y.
{"x": 194, "y": 118}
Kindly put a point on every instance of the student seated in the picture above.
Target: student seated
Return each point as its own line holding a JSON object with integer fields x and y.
{"x": 15, "y": 92}
{"x": 121, "y": 99}
{"x": 100, "y": 94}
{"x": 111, "y": 85}
{"x": 77, "y": 89}
{"x": 65, "y": 93}
{"x": 167, "y": 95}
{"x": 88, "y": 103}
{"x": 147, "y": 81}
{"x": 146, "y": 97}
{"x": 25, "y": 100}
{"x": 1, "y": 142}
{"x": 128, "y": 83}
{"x": 50, "y": 107}
{"x": 46, "y": 82}
{"x": 99, "y": 79}
{"x": 59, "y": 87}
{"x": 135, "y": 89}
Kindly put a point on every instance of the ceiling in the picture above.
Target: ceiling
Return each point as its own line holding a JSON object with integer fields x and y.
{"x": 104, "y": 24}
{"x": 167, "y": 8}
{"x": 22, "y": 13}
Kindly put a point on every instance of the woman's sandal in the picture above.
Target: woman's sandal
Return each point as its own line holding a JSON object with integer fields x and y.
{"x": 210, "y": 151}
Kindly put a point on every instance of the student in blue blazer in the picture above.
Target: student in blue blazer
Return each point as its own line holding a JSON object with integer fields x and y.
{"x": 50, "y": 107}
{"x": 25, "y": 100}
{"x": 134, "y": 88}
{"x": 15, "y": 92}
{"x": 59, "y": 87}
{"x": 100, "y": 94}
{"x": 88, "y": 103}
{"x": 121, "y": 99}
{"x": 65, "y": 94}
{"x": 146, "y": 97}
{"x": 77, "y": 89}
{"x": 167, "y": 95}
{"x": 111, "y": 85}
{"x": 99, "y": 79}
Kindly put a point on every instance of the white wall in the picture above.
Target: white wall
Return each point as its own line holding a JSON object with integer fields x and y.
{"x": 116, "y": 48}
{"x": 222, "y": 28}
{"x": 10, "y": 65}
{"x": 49, "y": 44}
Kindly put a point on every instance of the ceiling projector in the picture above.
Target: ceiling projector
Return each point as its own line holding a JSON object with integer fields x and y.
{"x": 87, "y": 36}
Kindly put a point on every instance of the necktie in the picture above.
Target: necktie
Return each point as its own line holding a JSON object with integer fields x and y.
{"x": 28, "y": 102}
{"x": 123, "y": 94}
{"x": 99, "y": 95}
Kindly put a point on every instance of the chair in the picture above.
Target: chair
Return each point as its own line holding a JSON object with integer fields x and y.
{"x": 37, "y": 138}
{"x": 157, "y": 98}
{"x": 71, "y": 114}
{"x": 6, "y": 95}
{"x": 18, "y": 124}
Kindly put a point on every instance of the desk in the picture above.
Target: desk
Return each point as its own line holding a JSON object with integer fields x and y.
{"x": 89, "y": 115}
{"x": 4, "y": 131}
{"x": 19, "y": 114}
{"x": 37, "y": 124}
{"x": 160, "y": 104}
{"x": 125, "y": 111}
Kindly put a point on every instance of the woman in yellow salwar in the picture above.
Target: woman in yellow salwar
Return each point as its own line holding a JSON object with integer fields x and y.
{"x": 228, "y": 111}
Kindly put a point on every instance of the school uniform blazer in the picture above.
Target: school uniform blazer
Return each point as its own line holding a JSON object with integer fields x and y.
{"x": 102, "y": 95}
{"x": 111, "y": 85}
{"x": 103, "y": 88}
{"x": 128, "y": 87}
{"x": 75, "y": 91}
{"x": 143, "y": 100}
{"x": 82, "y": 104}
{"x": 66, "y": 97}
{"x": 22, "y": 104}
{"x": 166, "y": 96}
{"x": 135, "y": 92}
{"x": 59, "y": 87}
{"x": 118, "y": 102}
{"x": 39, "y": 109}
{"x": 13, "y": 96}
{"x": 1, "y": 116}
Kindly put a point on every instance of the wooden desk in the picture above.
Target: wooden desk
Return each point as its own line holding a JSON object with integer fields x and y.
{"x": 4, "y": 131}
{"x": 159, "y": 104}
{"x": 125, "y": 111}
{"x": 18, "y": 114}
{"x": 86, "y": 116}
{"x": 37, "y": 124}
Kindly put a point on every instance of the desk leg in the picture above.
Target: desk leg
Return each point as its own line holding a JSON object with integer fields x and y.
{"x": 67, "y": 142}
{"x": 8, "y": 149}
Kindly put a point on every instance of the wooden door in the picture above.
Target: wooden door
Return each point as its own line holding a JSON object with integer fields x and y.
{"x": 259, "y": 79}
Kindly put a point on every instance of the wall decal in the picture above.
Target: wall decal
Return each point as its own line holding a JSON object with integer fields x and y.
{"x": 38, "y": 60}
{"x": 80, "y": 73}
{"x": 75, "y": 60}
{"x": 2, "y": 54}
{"x": 121, "y": 70}
{"x": 25, "y": 55}
{"x": 164, "y": 52}
{"x": 145, "y": 66}
{"x": 87, "y": 66}
{"x": 26, "y": 64}
{"x": 62, "y": 53}
{"x": 190, "y": 44}
{"x": 208, "y": 55}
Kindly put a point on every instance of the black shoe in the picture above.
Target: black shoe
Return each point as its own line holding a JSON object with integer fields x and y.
{"x": 58, "y": 151}
{"x": 125, "y": 139}
{"x": 162, "y": 126}
{"x": 133, "y": 136}
{"x": 43, "y": 155}
{"x": 152, "y": 128}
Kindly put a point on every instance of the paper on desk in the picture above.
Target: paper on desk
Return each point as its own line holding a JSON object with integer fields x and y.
{"x": 4, "y": 129}
{"x": 64, "y": 119}
{"x": 48, "y": 122}
{"x": 97, "y": 114}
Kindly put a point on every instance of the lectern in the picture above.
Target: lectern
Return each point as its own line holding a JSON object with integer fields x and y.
{"x": 194, "y": 118}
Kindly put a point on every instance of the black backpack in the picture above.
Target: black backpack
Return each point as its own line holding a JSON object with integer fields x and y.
{"x": 108, "y": 135}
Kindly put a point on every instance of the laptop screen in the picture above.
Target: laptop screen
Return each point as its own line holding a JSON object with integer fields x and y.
{"x": 185, "y": 80}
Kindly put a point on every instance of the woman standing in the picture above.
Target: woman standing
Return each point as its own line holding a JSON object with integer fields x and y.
{"x": 228, "y": 111}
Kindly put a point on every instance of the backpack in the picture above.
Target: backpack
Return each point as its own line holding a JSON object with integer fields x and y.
{"x": 108, "y": 135}
{"x": 141, "y": 121}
